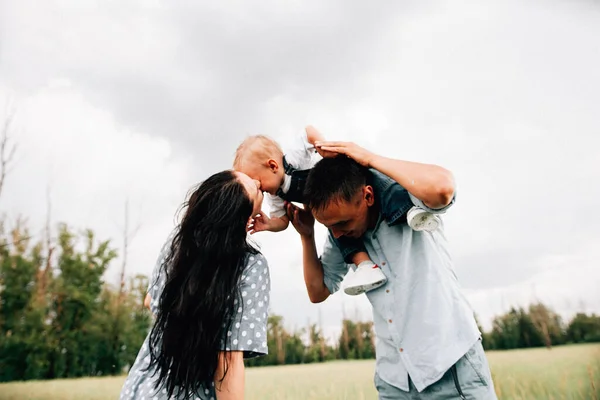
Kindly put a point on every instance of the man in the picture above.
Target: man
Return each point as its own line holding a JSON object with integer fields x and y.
{"x": 428, "y": 340}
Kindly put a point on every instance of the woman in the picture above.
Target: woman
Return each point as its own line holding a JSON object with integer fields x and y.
{"x": 210, "y": 294}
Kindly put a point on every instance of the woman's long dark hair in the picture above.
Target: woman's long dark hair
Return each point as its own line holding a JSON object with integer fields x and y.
{"x": 204, "y": 265}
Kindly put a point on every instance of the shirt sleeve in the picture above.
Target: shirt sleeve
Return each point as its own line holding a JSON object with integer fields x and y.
{"x": 157, "y": 282}
{"x": 276, "y": 206}
{"x": 248, "y": 332}
{"x": 417, "y": 202}
{"x": 334, "y": 266}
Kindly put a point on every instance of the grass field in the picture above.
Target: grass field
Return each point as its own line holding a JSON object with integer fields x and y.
{"x": 566, "y": 372}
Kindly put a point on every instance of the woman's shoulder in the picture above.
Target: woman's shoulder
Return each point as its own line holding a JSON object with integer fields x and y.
{"x": 256, "y": 259}
{"x": 256, "y": 270}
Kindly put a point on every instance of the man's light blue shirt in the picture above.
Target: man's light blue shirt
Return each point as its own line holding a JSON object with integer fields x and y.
{"x": 423, "y": 322}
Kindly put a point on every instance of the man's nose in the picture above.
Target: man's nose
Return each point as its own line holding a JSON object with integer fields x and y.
{"x": 337, "y": 233}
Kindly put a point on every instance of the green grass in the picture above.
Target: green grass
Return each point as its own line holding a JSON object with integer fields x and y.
{"x": 566, "y": 372}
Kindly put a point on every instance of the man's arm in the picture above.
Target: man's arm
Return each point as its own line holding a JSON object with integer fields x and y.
{"x": 313, "y": 271}
{"x": 322, "y": 276}
{"x": 304, "y": 222}
{"x": 431, "y": 184}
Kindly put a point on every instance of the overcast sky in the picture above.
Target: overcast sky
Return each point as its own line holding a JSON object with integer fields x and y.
{"x": 140, "y": 99}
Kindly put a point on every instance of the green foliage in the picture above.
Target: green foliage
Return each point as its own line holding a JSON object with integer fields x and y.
{"x": 539, "y": 326}
{"x": 309, "y": 345}
{"x": 584, "y": 329}
{"x": 58, "y": 318}
{"x": 357, "y": 340}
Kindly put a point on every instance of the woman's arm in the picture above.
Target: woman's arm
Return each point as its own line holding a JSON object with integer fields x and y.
{"x": 232, "y": 386}
{"x": 147, "y": 301}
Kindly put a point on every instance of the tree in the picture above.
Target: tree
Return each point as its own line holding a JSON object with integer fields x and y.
{"x": 317, "y": 350}
{"x": 514, "y": 330}
{"x": 584, "y": 328}
{"x": 356, "y": 340}
{"x": 547, "y": 323}
{"x": 117, "y": 307}
{"x": 56, "y": 322}
{"x": 18, "y": 337}
{"x": 7, "y": 148}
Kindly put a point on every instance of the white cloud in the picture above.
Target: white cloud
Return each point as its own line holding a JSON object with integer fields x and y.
{"x": 567, "y": 281}
{"x": 125, "y": 98}
{"x": 92, "y": 166}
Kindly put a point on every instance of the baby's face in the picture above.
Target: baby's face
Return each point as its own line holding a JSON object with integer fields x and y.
{"x": 270, "y": 178}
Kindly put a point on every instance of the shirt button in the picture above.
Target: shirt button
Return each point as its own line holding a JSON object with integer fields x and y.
{"x": 387, "y": 290}
{"x": 383, "y": 263}
{"x": 401, "y": 349}
{"x": 390, "y": 321}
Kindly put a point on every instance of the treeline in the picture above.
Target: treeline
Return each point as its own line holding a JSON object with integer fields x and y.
{"x": 539, "y": 326}
{"x": 309, "y": 345}
{"x": 60, "y": 319}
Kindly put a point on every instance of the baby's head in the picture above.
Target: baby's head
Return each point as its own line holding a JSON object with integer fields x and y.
{"x": 261, "y": 158}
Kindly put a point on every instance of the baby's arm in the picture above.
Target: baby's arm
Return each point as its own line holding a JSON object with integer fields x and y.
{"x": 279, "y": 224}
{"x": 263, "y": 223}
{"x": 313, "y": 135}
{"x": 277, "y": 221}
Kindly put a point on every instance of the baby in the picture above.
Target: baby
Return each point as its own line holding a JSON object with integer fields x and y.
{"x": 283, "y": 176}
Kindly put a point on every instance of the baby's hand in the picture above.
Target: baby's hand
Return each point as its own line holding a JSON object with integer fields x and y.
{"x": 313, "y": 136}
{"x": 259, "y": 223}
{"x": 325, "y": 153}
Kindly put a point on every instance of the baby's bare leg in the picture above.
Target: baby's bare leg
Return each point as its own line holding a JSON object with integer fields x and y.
{"x": 360, "y": 257}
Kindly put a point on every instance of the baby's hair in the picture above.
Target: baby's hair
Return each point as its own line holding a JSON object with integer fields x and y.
{"x": 257, "y": 148}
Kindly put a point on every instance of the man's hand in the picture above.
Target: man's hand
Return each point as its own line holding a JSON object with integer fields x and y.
{"x": 352, "y": 150}
{"x": 431, "y": 184}
{"x": 302, "y": 219}
{"x": 326, "y": 154}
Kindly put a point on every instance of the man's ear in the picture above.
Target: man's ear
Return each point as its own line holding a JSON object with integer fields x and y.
{"x": 272, "y": 165}
{"x": 369, "y": 195}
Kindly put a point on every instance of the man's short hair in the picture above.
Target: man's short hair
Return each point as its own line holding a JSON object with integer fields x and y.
{"x": 334, "y": 179}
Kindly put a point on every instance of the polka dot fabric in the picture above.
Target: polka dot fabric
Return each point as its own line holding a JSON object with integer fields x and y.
{"x": 157, "y": 282}
{"x": 248, "y": 332}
